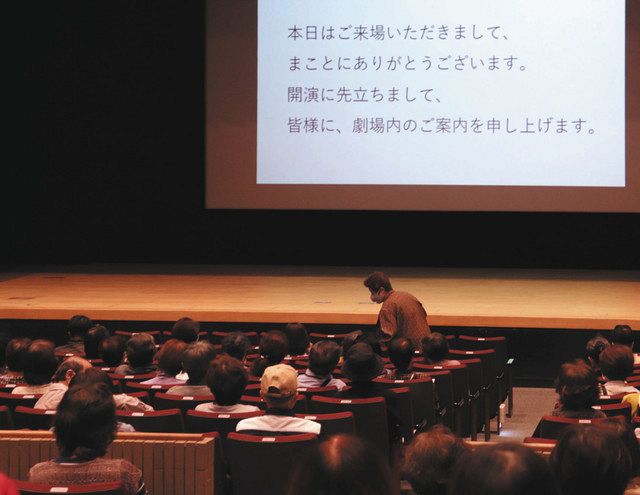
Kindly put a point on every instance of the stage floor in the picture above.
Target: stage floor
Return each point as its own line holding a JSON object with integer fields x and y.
{"x": 331, "y": 295}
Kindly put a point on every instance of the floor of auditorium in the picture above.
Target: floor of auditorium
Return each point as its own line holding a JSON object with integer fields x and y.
{"x": 530, "y": 404}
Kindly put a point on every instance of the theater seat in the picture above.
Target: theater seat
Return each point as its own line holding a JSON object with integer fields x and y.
{"x": 333, "y": 424}
{"x": 201, "y": 422}
{"x": 33, "y": 419}
{"x": 551, "y": 427}
{"x": 168, "y": 420}
{"x": 14, "y": 400}
{"x": 27, "y": 488}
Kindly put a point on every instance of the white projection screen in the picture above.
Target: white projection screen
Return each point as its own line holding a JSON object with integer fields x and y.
{"x": 423, "y": 105}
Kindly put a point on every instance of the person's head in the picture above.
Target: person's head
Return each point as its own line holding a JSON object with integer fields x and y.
{"x": 140, "y": 349}
{"x": 324, "y": 357}
{"x": 435, "y": 347}
{"x": 350, "y": 339}
{"x": 503, "y": 469}
{"x": 15, "y": 353}
{"x": 170, "y": 356}
{"x": 196, "y": 359}
{"x": 85, "y": 422}
{"x": 227, "y": 379}
{"x": 379, "y": 286}
{"x": 298, "y": 338}
{"x": 111, "y": 350}
{"x": 92, "y": 339}
{"x": 401, "y": 351}
{"x": 91, "y": 376}
{"x": 237, "y": 345}
{"x": 616, "y": 362}
{"x": 588, "y": 460}
{"x": 623, "y": 335}
{"x": 78, "y": 326}
{"x": 624, "y": 431}
{"x": 594, "y": 347}
{"x": 40, "y": 362}
{"x": 343, "y": 464}
{"x": 185, "y": 329}
{"x": 577, "y": 385}
{"x": 429, "y": 460}
{"x": 279, "y": 386}
{"x": 361, "y": 364}
{"x": 273, "y": 348}
{"x": 69, "y": 368}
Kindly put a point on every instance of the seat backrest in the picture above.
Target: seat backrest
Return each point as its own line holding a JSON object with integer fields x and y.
{"x": 611, "y": 410}
{"x": 422, "y": 393}
{"x": 223, "y": 423}
{"x": 14, "y": 400}
{"x": 111, "y": 488}
{"x": 129, "y": 387}
{"x": 127, "y": 334}
{"x": 6, "y": 421}
{"x": 370, "y": 417}
{"x": 264, "y": 465}
{"x": 487, "y": 359}
{"x": 167, "y": 420}
{"x": 333, "y": 424}
{"x": 610, "y": 399}
{"x": 551, "y": 427}
{"x": 318, "y": 336}
{"x": 309, "y": 392}
{"x": 33, "y": 419}
{"x": 182, "y": 402}
{"x": 299, "y": 408}
{"x": 216, "y": 337}
{"x": 132, "y": 378}
{"x": 498, "y": 344}
{"x": 404, "y": 409}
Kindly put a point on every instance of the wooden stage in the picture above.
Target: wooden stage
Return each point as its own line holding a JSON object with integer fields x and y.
{"x": 329, "y": 295}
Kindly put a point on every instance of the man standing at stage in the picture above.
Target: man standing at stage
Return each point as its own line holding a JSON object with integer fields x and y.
{"x": 401, "y": 314}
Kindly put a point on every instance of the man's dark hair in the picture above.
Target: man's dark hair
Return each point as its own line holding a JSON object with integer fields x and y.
{"x": 141, "y": 348}
{"x": 577, "y": 385}
{"x": 324, "y": 357}
{"x": 616, "y": 362}
{"x": 343, "y": 464}
{"x": 111, "y": 350}
{"x": 16, "y": 352}
{"x": 595, "y": 346}
{"x": 401, "y": 352}
{"x": 92, "y": 339}
{"x": 236, "y": 344}
{"x": 85, "y": 422}
{"x": 185, "y": 329}
{"x": 79, "y": 325}
{"x": 624, "y": 431}
{"x": 196, "y": 359}
{"x": 40, "y": 362}
{"x": 352, "y": 338}
{"x": 623, "y": 335}
{"x": 590, "y": 460}
{"x": 273, "y": 348}
{"x": 170, "y": 356}
{"x": 298, "y": 338}
{"x": 227, "y": 379}
{"x": 376, "y": 281}
{"x": 92, "y": 376}
{"x": 503, "y": 469}
{"x": 435, "y": 347}
{"x": 429, "y": 460}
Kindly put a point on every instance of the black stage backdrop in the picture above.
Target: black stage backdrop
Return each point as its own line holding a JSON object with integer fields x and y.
{"x": 108, "y": 165}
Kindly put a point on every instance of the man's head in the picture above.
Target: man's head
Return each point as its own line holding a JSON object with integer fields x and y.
{"x": 196, "y": 359}
{"x": 185, "y": 329}
{"x": 111, "y": 350}
{"x": 79, "y": 325}
{"x": 401, "y": 351}
{"x": 379, "y": 286}
{"x": 92, "y": 339}
{"x": 15, "y": 353}
{"x": 40, "y": 362}
{"x": 435, "y": 347}
{"x": 69, "y": 368}
{"x": 324, "y": 357}
{"x": 594, "y": 347}
{"x": 361, "y": 364}
{"x": 577, "y": 385}
{"x": 170, "y": 356}
{"x": 616, "y": 362}
{"x": 278, "y": 386}
{"x": 141, "y": 348}
{"x": 298, "y": 338}
{"x": 227, "y": 379}
{"x": 623, "y": 335}
{"x": 237, "y": 345}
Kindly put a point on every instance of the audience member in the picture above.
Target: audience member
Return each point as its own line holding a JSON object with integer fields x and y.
{"x": 401, "y": 352}
{"x": 589, "y": 460}
{"x": 92, "y": 339}
{"x": 140, "y": 351}
{"x": 594, "y": 347}
{"x": 185, "y": 329}
{"x": 298, "y": 339}
{"x": 196, "y": 359}
{"x": 278, "y": 388}
{"x": 76, "y": 329}
{"x": 237, "y": 345}
{"x": 123, "y": 402}
{"x": 616, "y": 362}
{"x": 623, "y": 335}
{"x": 342, "y": 465}
{"x": 435, "y": 348}
{"x": 428, "y": 461}
{"x": 624, "y": 431}
{"x": 227, "y": 379}
{"x": 349, "y": 340}
{"x": 577, "y": 388}
{"x": 60, "y": 382}
{"x": 40, "y": 363}
{"x": 503, "y": 469}
{"x": 273, "y": 348}
{"x": 323, "y": 358}
{"x": 14, "y": 358}
{"x": 169, "y": 363}
{"x": 85, "y": 426}
{"x": 111, "y": 351}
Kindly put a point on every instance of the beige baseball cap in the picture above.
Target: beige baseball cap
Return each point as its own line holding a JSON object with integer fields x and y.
{"x": 279, "y": 382}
